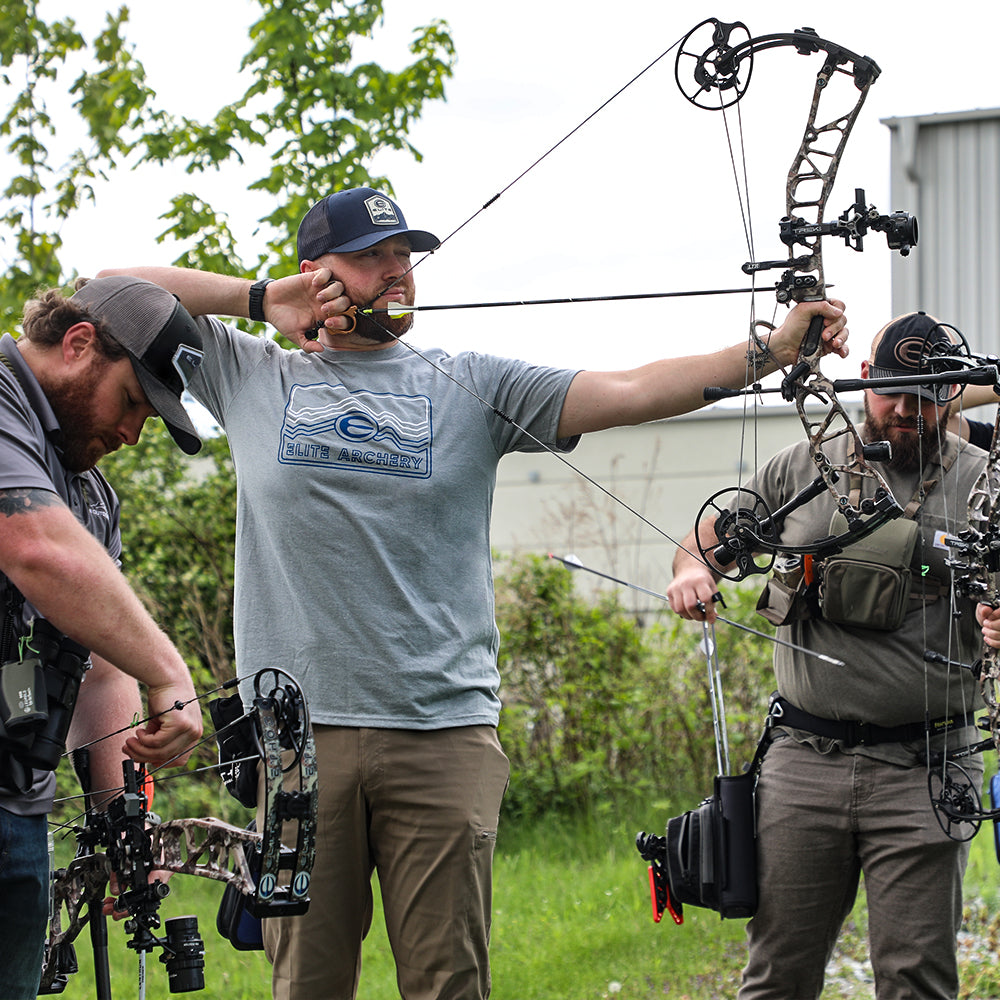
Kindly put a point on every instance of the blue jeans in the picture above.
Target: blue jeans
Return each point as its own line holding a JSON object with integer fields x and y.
{"x": 24, "y": 903}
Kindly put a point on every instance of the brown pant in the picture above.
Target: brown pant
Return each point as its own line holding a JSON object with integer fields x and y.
{"x": 823, "y": 821}
{"x": 421, "y": 809}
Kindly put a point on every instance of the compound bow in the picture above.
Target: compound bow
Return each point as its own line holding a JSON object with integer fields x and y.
{"x": 128, "y": 841}
{"x": 713, "y": 69}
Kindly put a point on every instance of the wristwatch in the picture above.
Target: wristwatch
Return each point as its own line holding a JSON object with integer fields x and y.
{"x": 256, "y": 309}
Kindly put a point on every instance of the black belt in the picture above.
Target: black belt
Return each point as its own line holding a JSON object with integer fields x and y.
{"x": 854, "y": 734}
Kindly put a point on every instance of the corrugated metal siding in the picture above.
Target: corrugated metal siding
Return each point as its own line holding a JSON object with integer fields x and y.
{"x": 946, "y": 170}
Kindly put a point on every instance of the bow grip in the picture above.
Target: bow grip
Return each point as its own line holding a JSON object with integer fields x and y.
{"x": 811, "y": 341}
{"x": 809, "y": 346}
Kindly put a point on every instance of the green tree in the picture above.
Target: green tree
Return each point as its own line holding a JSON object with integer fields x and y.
{"x": 320, "y": 115}
{"x": 314, "y": 114}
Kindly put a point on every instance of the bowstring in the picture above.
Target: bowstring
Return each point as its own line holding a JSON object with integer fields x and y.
{"x": 503, "y": 416}
{"x": 527, "y": 170}
{"x": 742, "y": 185}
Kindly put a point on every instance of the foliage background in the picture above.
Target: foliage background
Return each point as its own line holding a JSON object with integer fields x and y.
{"x": 75, "y": 109}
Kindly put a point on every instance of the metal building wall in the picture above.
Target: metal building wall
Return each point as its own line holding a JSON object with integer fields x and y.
{"x": 945, "y": 168}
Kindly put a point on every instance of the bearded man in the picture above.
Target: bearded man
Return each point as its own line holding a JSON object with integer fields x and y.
{"x": 81, "y": 382}
{"x": 843, "y": 788}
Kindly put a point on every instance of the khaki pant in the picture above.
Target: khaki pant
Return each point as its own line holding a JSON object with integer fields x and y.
{"x": 421, "y": 809}
{"x": 825, "y": 819}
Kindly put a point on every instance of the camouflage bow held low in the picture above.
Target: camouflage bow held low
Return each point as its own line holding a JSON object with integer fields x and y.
{"x": 126, "y": 840}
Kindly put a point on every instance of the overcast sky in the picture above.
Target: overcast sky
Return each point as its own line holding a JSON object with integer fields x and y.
{"x": 641, "y": 199}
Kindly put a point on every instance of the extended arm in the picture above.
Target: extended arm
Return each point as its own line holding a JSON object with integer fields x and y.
{"x": 667, "y": 388}
{"x": 67, "y": 575}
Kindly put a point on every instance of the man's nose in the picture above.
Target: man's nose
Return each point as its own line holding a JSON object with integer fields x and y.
{"x": 131, "y": 428}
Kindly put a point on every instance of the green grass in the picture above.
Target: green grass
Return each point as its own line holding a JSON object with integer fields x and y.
{"x": 571, "y": 922}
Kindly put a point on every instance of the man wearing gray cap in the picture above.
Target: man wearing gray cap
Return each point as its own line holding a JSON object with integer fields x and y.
{"x": 363, "y": 566}
{"x": 844, "y": 785}
{"x": 77, "y": 385}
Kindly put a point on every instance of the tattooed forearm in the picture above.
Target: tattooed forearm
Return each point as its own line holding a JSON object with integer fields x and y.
{"x": 24, "y": 501}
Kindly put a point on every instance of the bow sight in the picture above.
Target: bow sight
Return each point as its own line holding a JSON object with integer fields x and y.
{"x": 900, "y": 230}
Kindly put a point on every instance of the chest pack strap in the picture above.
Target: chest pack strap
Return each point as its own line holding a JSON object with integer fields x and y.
{"x": 925, "y": 589}
{"x": 934, "y": 472}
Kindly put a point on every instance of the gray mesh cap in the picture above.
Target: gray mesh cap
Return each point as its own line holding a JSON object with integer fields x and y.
{"x": 162, "y": 340}
{"x": 354, "y": 220}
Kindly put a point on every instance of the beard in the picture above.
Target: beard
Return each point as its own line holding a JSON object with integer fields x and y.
{"x": 382, "y": 328}
{"x": 83, "y": 444}
{"x": 915, "y": 442}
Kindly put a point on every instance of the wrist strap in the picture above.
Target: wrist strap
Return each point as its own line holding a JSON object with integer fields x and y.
{"x": 256, "y": 309}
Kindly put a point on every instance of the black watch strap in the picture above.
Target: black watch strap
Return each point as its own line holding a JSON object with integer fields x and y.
{"x": 256, "y": 309}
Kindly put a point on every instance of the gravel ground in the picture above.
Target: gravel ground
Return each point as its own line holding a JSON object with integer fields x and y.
{"x": 849, "y": 974}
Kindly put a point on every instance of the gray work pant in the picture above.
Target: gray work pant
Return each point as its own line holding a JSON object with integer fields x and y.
{"x": 823, "y": 820}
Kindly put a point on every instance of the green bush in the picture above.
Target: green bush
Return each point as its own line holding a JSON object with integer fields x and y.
{"x": 599, "y": 710}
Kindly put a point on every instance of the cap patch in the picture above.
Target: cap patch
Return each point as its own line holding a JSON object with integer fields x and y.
{"x": 381, "y": 211}
{"x": 909, "y": 352}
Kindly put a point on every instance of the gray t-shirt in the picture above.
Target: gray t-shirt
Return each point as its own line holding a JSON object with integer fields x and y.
{"x": 884, "y": 676}
{"x": 365, "y": 487}
{"x": 30, "y": 459}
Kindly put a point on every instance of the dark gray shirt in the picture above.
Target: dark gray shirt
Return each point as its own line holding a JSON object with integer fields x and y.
{"x": 30, "y": 458}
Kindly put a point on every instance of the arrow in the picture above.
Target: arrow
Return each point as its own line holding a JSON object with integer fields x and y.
{"x": 573, "y": 562}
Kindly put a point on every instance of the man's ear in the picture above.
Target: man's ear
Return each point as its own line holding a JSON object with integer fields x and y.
{"x": 78, "y": 341}
{"x": 864, "y": 368}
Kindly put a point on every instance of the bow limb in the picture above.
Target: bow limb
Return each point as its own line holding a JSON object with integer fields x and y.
{"x": 810, "y": 181}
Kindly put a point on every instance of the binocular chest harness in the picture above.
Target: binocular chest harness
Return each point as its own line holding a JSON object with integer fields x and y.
{"x": 874, "y": 582}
